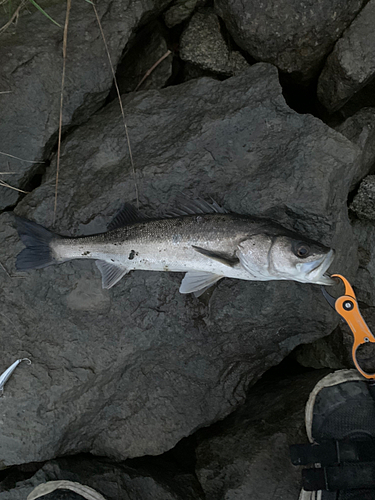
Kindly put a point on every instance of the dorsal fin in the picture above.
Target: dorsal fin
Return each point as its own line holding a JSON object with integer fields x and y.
{"x": 125, "y": 216}
{"x": 198, "y": 206}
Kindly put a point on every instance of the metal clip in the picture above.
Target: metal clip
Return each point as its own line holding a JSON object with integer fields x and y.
{"x": 347, "y": 307}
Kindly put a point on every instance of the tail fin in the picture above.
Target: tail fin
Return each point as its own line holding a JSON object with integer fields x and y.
{"x": 36, "y": 238}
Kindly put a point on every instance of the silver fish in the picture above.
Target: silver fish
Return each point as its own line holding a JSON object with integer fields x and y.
{"x": 200, "y": 239}
{"x": 8, "y": 372}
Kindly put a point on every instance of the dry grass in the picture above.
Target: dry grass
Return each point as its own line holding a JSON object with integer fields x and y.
{"x": 13, "y": 19}
{"x": 120, "y": 102}
{"x": 65, "y": 42}
{"x": 21, "y": 159}
{"x": 118, "y": 95}
{"x": 14, "y": 16}
{"x": 6, "y": 185}
{"x": 5, "y": 271}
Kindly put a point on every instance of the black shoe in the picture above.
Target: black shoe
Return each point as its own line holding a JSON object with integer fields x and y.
{"x": 340, "y": 420}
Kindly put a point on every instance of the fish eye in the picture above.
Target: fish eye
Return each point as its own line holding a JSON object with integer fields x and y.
{"x": 302, "y": 250}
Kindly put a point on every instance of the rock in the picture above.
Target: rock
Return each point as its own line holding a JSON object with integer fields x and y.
{"x": 203, "y": 45}
{"x": 328, "y": 352}
{"x": 295, "y": 36}
{"x": 31, "y": 65}
{"x": 148, "y": 47}
{"x": 351, "y": 65}
{"x": 363, "y": 204}
{"x": 121, "y": 381}
{"x": 360, "y": 129}
{"x": 364, "y": 232}
{"x": 179, "y": 11}
{"x": 247, "y": 456}
{"x": 364, "y": 98}
{"x": 112, "y": 481}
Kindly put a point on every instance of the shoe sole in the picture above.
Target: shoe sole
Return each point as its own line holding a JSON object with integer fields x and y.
{"x": 330, "y": 380}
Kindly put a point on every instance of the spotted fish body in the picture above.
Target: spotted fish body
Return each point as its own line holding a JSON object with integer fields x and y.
{"x": 207, "y": 246}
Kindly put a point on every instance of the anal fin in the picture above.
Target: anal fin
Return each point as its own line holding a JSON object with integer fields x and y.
{"x": 111, "y": 273}
{"x": 198, "y": 281}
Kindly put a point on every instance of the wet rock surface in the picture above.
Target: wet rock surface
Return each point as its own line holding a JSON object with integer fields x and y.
{"x": 351, "y": 65}
{"x": 328, "y": 352}
{"x": 360, "y": 129}
{"x": 131, "y": 371}
{"x": 31, "y": 71}
{"x": 119, "y": 371}
{"x": 247, "y": 455}
{"x": 112, "y": 481}
{"x": 294, "y": 35}
{"x": 364, "y": 231}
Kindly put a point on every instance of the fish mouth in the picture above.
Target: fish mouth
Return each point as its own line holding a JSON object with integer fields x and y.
{"x": 318, "y": 274}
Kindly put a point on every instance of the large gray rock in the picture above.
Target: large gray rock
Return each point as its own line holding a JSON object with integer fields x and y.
{"x": 294, "y": 35}
{"x": 31, "y": 66}
{"x": 203, "y": 44}
{"x": 247, "y": 456}
{"x": 112, "y": 481}
{"x": 360, "y": 129}
{"x": 132, "y": 370}
{"x": 351, "y": 65}
{"x": 364, "y": 231}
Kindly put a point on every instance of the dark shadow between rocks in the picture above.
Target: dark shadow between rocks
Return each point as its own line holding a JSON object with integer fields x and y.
{"x": 300, "y": 97}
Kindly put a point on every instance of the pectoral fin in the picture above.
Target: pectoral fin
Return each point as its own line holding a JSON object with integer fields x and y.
{"x": 111, "y": 274}
{"x": 223, "y": 259}
{"x": 198, "y": 281}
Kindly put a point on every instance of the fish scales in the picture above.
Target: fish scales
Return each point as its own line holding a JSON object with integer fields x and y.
{"x": 166, "y": 244}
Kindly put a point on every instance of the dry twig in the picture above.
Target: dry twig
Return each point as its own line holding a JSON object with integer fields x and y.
{"x": 148, "y": 73}
{"x": 120, "y": 102}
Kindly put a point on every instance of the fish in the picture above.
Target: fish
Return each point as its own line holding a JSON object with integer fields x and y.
{"x": 199, "y": 238}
